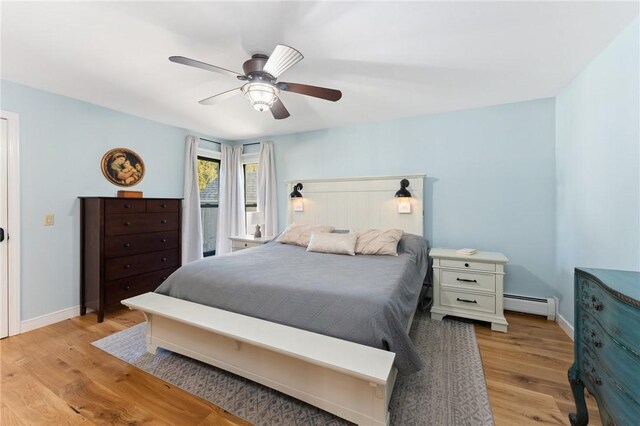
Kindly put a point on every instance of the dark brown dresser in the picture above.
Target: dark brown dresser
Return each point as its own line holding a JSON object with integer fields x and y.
{"x": 129, "y": 246}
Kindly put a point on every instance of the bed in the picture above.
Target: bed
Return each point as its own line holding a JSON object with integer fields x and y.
{"x": 328, "y": 329}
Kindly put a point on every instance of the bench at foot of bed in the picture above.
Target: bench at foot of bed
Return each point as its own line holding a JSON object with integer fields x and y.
{"x": 350, "y": 380}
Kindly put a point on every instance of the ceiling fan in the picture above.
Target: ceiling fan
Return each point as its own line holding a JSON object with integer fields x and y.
{"x": 261, "y": 73}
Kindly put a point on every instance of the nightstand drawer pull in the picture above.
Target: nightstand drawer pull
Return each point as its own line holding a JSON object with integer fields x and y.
{"x": 246, "y": 245}
{"x": 466, "y": 281}
{"x": 466, "y": 265}
{"x": 466, "y": 301}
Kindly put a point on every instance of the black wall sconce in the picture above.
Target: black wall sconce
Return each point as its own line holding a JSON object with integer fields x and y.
{"x": 296, "y": 198}
{"x": 404, "y": 197}
{"x": 296, "y": 191}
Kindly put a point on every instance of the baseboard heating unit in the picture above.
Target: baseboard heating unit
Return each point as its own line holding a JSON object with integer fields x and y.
{"x": 531, "y": 305}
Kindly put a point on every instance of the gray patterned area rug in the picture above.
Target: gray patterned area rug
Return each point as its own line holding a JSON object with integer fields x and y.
{"x": 450, "y": 390}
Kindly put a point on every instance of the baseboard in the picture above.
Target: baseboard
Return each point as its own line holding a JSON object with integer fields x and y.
{"x": 48, "y": 319}
{"x": 565, "y": 326}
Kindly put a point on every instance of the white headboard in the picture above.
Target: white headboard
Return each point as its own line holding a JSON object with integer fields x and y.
{"x": 359, "y": 203}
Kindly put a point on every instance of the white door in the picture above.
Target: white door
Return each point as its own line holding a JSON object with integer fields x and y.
{"x": 4, "y": 251}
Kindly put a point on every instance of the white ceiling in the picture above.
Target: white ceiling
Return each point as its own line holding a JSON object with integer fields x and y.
{"x": 390, "y": 59}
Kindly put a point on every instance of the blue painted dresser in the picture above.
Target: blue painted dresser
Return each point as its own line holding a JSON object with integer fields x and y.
{"x": 607, "y": 345}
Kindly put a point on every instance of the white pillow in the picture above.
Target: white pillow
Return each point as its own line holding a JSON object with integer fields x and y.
{"x": 376, "y": 241}
{"x": 300, "y": 234}
{"x": 333, "y": 243}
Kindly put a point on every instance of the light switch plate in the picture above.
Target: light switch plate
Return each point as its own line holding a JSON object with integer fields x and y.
{"x": 404, "y": 207}
{"x": 48, "y": 219}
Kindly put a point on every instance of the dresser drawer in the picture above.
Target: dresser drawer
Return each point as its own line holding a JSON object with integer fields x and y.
{"x": 616, "y": 317}
{"x": 470, "y": 280}
{"x": 467, "y": 264}
{"x": 616, "y": 407}
{"x": 163, "y": 206}
{"x": 127, "y": 266}
{"x": 125, "y": 205}
{"x": 468, "y": 301}
{"x": 125, "y": 224}
{"x": 117, "y": 290}
{"x": 124, "y": 245}
{"x": 622, "y": 364}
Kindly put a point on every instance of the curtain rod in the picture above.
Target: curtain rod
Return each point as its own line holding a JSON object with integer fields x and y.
{"x": 219, "y": 143}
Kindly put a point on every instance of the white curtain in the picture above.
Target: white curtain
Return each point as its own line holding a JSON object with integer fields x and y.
{"x": 191, "y": 220}
{"x": 231, "y": 220}
{"x": 267, "y": 189}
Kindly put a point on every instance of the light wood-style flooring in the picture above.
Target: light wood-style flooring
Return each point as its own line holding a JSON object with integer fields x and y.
{"x": 54, "y": 375}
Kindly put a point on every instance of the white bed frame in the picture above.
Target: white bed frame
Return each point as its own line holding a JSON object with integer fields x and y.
{"x": 350, "y": 380}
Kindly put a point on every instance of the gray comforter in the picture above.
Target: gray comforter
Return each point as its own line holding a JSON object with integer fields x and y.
{"x": 364, "y": 299}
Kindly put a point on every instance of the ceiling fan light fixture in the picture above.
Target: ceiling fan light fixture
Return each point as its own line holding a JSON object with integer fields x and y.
{"x": 261, "y": 95}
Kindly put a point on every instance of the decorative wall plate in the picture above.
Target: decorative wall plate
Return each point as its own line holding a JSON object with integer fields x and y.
{"x": 122, "y": 167}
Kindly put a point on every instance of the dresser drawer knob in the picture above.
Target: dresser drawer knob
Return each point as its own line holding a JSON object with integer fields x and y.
{"x": 127, "y": 287}
{"x": 596, "y": 305}
{"x": 127, "y": 206}
{"x": 466, "y": 265}
{"x": 127, "y": 244}
{"x": 466, "y": 301}
{"x": 163, "y": 221}
{"x": 466, "y": 281}
{"x": 127, "y": 223}
{"x": 163, "y": 240}
{"x": 164, "y": 259}
{"x": 163, "y": 206}
{"x": 127, "y": 266}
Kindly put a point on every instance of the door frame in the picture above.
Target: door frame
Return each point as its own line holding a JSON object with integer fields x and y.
{"x": 13, "y": 218}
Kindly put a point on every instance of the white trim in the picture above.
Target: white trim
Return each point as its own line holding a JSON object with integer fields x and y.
{"x": 565, "y": 326}
{"x": 209, "y": 153}
{"x": 253, "y": 157}
{"x": 48, "y": 319}
{"x": 13, "y": 219}
{"x": 357, "y": 178}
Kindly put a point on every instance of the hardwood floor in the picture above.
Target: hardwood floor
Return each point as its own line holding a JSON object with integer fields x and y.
{"x": 54, "y": 375}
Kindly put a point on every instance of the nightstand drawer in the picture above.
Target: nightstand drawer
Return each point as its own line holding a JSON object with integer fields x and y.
{"x": 467, "y": 264}
{"x": 482, "y": 282}
{"x": 468, "y": 301}
{"x": 240, "y": 245}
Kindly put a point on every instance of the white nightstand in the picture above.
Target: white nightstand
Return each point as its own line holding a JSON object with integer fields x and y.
{"x": 469, "y": 286}
{"x": 247, "y": 241}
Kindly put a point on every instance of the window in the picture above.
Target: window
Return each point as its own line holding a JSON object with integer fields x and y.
{"x": 209, "y": 186}
{"x": 250, "y": 190}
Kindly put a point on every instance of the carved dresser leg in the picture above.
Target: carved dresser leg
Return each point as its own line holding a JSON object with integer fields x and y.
{"x": 581, "y": 416}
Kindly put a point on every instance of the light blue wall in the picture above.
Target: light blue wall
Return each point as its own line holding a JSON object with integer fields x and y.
{"x": 62, "y": 141}
{"x": 598, "y": 166}
{"x": 490, "y": 179}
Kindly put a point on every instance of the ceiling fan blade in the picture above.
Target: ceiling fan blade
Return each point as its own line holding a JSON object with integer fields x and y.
{"x": 279, "y": 111}
{"x": 282, "y": 58}
{"x": 315, "y": 91}
{"x": 215, "y": 99}
{"x": 193, "y": 63}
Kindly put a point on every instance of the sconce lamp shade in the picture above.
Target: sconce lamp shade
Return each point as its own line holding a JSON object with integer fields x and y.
{"x": 255, "y": 218}
{"x": 403, "y": 192}
{"x": 296, "y": 191}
